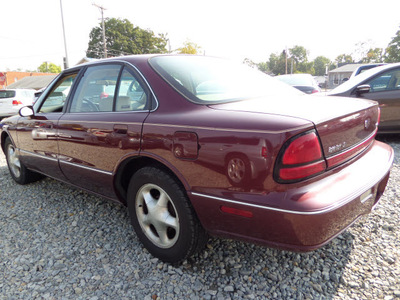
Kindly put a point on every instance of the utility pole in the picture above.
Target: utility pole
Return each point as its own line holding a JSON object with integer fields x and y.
{"x": 65, "y": 40}
{"x": 104, "y": 29}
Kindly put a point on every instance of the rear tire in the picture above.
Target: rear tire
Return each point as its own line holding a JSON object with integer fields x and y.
{"x": 162, "y": 216}
{"x": 17, "y": 169}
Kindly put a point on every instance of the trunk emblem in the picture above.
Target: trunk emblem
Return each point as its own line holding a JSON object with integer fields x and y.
{"x": 367, "y": 123}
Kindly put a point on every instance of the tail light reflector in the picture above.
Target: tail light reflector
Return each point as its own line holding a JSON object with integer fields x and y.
{"x": 300, "y": 158}
{"x": 236, "y": 211}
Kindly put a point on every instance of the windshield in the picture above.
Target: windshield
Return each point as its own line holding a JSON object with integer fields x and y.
{"x": 7, "y": 94}
{"x": 207, "y": 80}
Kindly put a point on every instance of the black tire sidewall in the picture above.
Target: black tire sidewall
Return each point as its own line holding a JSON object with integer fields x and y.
{"x": 184, "y": 245}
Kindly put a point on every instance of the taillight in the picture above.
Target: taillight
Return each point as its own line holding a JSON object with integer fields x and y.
{"x": 300, "y": 158}
{"x": 16, "y": 102}
{"x": 314, "y": 91}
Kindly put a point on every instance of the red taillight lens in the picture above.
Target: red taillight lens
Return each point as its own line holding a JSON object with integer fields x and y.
{"x": 314, "y": 91}
{"x": 305, "y": 148}
{"x": 16, "y": 102}
{"x": 301, "y": 157}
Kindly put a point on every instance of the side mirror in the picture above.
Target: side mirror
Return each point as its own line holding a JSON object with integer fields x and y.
{"x": 26, "y": 111}
{"x": 363, "y": 89}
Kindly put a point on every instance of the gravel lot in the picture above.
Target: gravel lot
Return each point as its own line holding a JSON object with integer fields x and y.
{"x": 57, "y": 242}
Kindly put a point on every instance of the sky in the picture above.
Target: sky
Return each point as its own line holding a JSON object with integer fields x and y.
{"x": 32, "y": 32}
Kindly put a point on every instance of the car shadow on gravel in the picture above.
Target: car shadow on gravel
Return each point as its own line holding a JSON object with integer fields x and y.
{"x": 389, "y": 138}
{"x": 66, "y": 242}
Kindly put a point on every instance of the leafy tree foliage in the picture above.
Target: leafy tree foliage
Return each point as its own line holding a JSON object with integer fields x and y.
{"x": 122, "y": 38}
{"x": 47, "y": 67}
{"x": 276, "y": 63}
{"x": 374, "y": 56}
{"x": 263, "y": 67}
{"x": 320, "y": 64}
{"x": 393, "y": 49}
{"x": 189, "y": 48}
{"x": 344, "y": 59}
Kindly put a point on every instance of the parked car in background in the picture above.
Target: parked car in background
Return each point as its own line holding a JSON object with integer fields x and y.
{"x": 303, "y": 82}
{"x": 381, "y": 84}
{"x": 194, "y": 145}
{"x": 11, "y": 100}
{"x": 364, "y": 68}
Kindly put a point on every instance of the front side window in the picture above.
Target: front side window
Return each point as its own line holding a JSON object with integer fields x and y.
{"x": 96, "y": 89}
{"x": 385, "y": 82}
{"x": 55, "y": 100}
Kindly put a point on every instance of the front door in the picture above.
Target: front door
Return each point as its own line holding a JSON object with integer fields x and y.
{"x": 385, "y": 88}
{"x": 37, "y": 135}
{"x": 102, "y": 126}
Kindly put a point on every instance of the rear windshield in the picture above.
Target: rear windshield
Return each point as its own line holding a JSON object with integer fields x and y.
{"x": 7, "y": 94}
{"x": 208, "y": 80}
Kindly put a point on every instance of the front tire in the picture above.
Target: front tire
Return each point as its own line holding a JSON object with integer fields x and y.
{"x": 162, "y": 216}
{"x": 17, "y": 169}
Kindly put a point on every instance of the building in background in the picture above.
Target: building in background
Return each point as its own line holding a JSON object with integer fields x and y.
{"x": 8, "y": 78}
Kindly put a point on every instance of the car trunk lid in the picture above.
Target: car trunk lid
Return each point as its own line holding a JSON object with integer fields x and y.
{"x": 345, "y": 126}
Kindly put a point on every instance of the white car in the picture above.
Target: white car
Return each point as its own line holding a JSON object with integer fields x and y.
{"x": 11, "y": 100}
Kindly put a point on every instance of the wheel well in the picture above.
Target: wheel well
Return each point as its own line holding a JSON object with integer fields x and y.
{"x": 3, "y": 139}
{"x": 130, "y": 166}
{"x": 234, "y": 154}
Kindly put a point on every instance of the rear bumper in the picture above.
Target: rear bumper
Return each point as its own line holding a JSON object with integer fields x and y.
{"x": 305, "y": 217}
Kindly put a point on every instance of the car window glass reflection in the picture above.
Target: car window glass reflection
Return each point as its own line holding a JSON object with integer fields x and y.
{"x": 131, "y": 95}
{"x": 55, "y": 101}
{"x": 386, "y": 82}
{"x": 96, "y": 90}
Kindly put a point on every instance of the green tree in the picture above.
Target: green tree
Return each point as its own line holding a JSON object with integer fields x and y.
{"x": 276, "y": 63}
{"x": 263, "y": 67}
{"x": 189, "y": 48}
{"x": 320, "y": 64}
{"x": 250, "y": 63}
{"x": 47, "y": 67}
{"x": 393, "y": 49}
{"x": 298, "y": 62}
{"x": 299, "y": 54}
{"x": 373, "y": 56}
{"x": 122, "y": 38}
{"x": 344, "y": 59}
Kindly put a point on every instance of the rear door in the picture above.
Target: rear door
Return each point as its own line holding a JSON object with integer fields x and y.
{"x": 102, "y": 125}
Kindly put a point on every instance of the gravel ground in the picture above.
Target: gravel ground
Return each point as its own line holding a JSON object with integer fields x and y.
{"x": 57, "y": 242}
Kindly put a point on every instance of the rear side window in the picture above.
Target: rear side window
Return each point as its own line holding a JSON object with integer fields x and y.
{"x": 7, "y": 94}
{"x": 131, "y": 94}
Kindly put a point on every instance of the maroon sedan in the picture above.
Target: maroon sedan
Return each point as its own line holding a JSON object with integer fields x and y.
{"x": 195, "y": 145}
